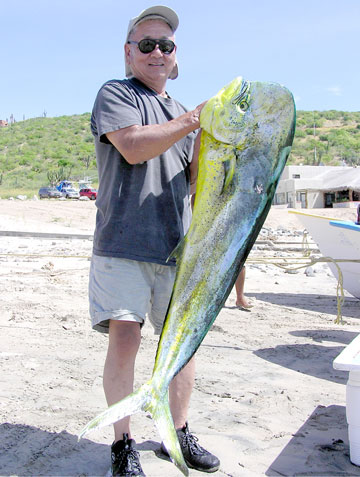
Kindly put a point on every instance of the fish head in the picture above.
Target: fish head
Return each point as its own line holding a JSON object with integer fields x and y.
{"x": 248, "y": 112}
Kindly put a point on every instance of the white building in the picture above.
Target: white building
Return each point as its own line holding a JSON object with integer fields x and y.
{"x": 314, "y": 187}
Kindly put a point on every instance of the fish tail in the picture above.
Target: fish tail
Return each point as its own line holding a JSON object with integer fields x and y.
{"x": 131, "y": 404}
{"x": 165, "y": 425}
{"x": 147, "y": 399}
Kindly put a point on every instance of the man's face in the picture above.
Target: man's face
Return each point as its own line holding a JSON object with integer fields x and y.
{"x": 153, "y": 67}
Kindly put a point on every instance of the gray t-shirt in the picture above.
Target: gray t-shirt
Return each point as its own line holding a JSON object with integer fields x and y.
{"x": 143, "y": 209}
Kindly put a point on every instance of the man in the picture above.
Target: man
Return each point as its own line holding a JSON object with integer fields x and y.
{"x": 146, "y": 161}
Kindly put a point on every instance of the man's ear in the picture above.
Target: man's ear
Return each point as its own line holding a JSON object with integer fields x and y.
{"x": 127, "y": 52}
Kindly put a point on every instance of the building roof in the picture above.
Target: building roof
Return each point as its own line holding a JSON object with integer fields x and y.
{"x": 335, "y": 180}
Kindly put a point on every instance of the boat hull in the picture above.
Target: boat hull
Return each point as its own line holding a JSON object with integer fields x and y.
{"x": 337, "y": 239}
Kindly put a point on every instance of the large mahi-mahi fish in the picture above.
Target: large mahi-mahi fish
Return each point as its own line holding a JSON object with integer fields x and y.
{"x": 248, "y": 129}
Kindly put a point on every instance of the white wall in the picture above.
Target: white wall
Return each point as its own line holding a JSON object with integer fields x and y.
{"x": 310, "y": 180}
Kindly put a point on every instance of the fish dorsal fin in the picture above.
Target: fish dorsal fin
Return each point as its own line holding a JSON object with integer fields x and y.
{"x": 177, "y": 252}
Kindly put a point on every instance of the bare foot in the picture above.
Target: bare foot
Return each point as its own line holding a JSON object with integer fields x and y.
{"x": 244, "y": 303}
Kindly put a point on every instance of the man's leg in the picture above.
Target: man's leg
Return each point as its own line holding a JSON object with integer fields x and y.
{"x": 180, "y": 392}
{"x": 241, "y": 299}
{"x": 124, "y": 341}
{"x": 118, "y": 379}
{"x": 196, "y": 457}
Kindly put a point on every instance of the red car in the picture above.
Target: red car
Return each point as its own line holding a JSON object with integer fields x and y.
{"x": 91, "y": 193}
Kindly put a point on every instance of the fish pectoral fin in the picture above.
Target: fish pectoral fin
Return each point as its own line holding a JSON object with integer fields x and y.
{"x": 165, "y": 425}
{"x": 176, "y": 253}
{"x": 229, "y": 170}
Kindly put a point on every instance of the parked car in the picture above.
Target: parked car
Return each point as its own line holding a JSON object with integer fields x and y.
{"x": 91, "y": 193}
{"x": 49, "y": 193}
{"x": 70, "y": 193}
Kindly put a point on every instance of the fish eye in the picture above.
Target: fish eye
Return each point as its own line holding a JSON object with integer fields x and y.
{"x": 244, "y": 106}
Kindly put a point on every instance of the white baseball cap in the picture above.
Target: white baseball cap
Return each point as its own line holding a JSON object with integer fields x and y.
{"x": 157, "y": 12}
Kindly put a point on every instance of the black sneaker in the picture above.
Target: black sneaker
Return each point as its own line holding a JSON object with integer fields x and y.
{"x": 125, "y": 459}
{"x": 196, "y": 457}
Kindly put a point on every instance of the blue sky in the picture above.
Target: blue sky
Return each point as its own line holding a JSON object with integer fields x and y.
{"x": 55, "y": 54}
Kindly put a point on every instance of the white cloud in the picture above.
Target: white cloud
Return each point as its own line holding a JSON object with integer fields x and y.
{"x": 335, "y": 90}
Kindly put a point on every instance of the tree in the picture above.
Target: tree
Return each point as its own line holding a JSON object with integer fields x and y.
{"x": 86, "y": 161}
{"x": 56, "y": 176}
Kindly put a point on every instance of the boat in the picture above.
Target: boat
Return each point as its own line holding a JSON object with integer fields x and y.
{"x": 339, "y": 240}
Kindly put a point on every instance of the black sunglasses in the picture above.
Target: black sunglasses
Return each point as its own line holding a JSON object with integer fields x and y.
{"x": 147, "y": 45}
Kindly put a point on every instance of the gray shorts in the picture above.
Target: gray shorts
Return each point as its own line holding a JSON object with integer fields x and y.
{"x": 127, "y": 290}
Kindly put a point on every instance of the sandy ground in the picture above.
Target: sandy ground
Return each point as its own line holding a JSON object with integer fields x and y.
{"x": 267, "y": 400}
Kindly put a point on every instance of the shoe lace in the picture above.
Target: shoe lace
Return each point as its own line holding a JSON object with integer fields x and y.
{"x": 191, "y": 442}
{"x": 132, "y": 461}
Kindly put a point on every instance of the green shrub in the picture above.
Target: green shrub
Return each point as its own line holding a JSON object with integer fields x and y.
{"x": 31, "y": 148}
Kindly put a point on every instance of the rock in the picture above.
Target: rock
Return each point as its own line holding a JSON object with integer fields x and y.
{"x": 21, "y": 197}
{"x": 309, "y": 272}
{"x": 292, "y": 272}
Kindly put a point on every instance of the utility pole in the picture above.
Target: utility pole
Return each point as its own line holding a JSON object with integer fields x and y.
{"x": 314, "y": 140}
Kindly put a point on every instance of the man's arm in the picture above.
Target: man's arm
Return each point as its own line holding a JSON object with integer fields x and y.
{"x": 142, "y": 143}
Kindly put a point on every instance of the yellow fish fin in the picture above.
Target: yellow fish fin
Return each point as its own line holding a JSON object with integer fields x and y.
{"x": 176, "y": 253}
{"x": 229, "y": 169}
